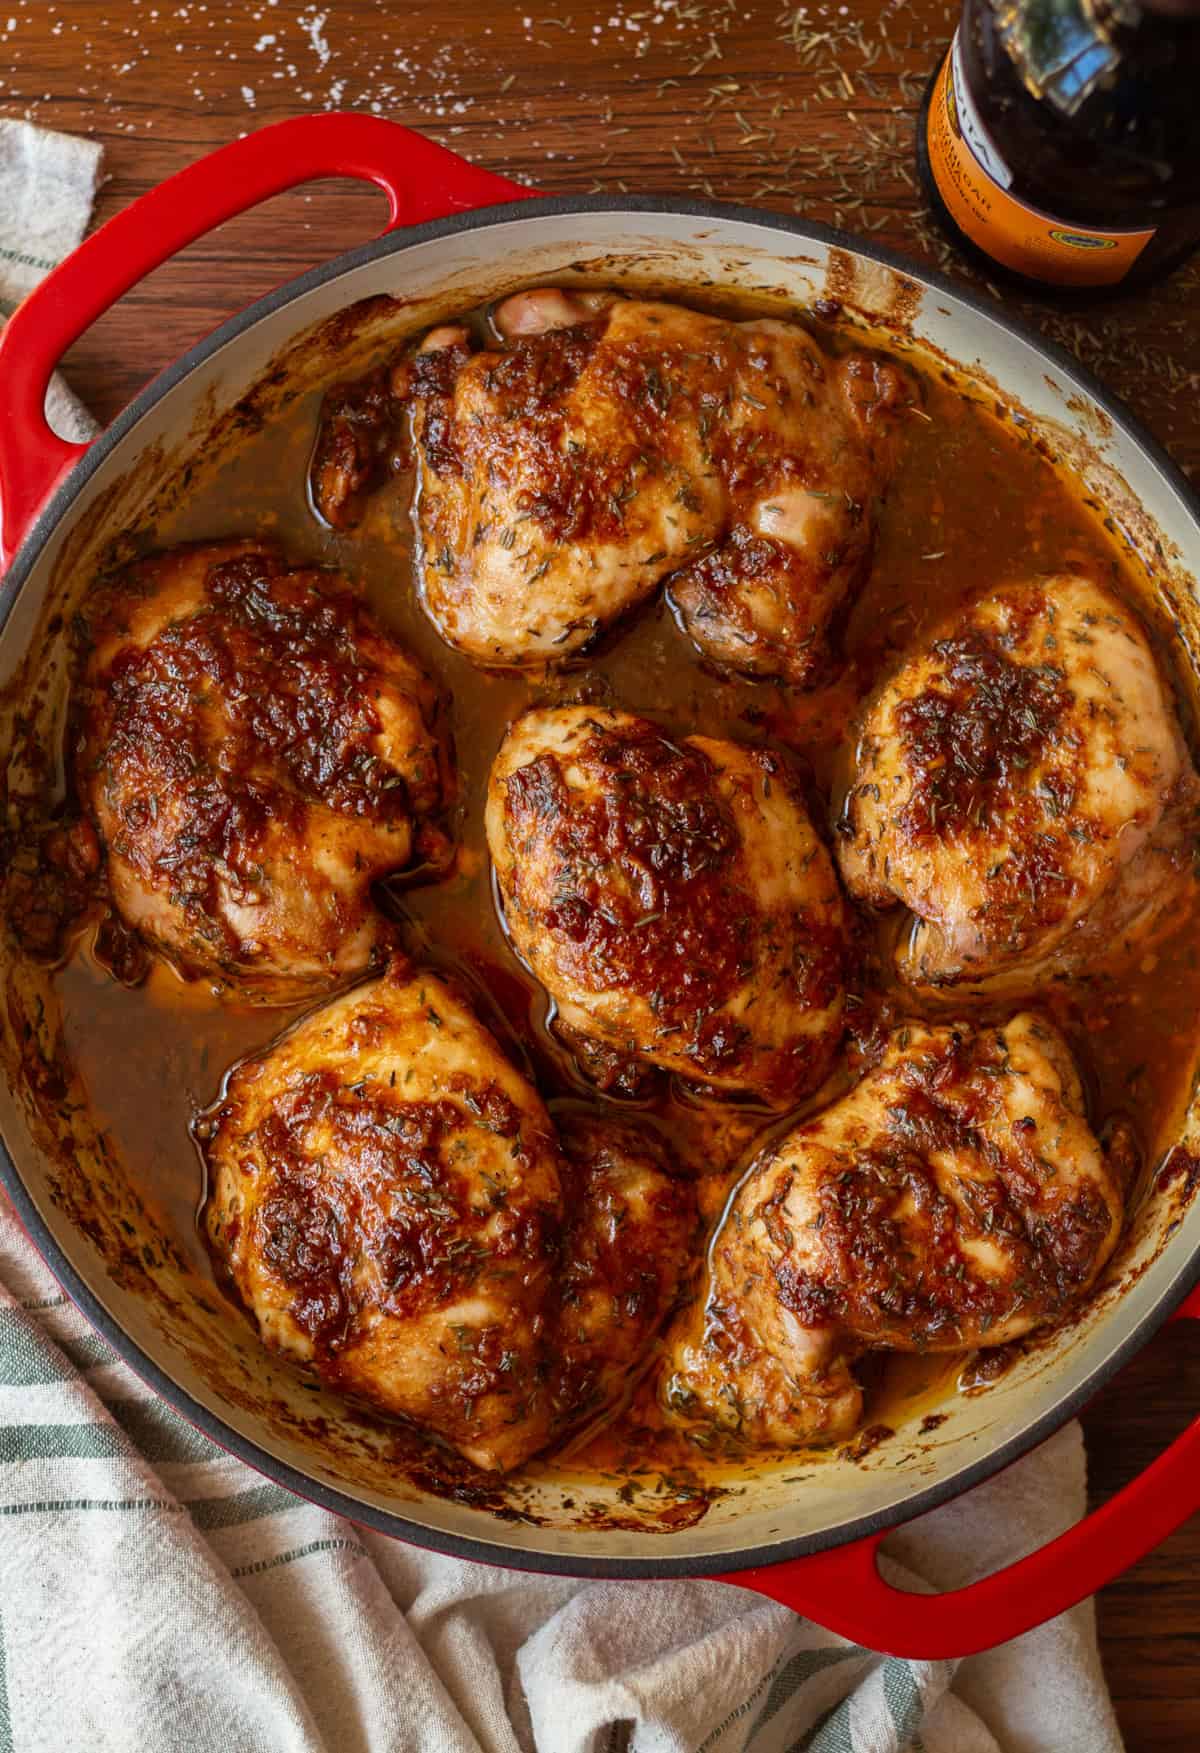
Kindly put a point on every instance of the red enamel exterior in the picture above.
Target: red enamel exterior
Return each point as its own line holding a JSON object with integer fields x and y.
{"x": 841, "y": 1589}
{"x": 420, "y": 179}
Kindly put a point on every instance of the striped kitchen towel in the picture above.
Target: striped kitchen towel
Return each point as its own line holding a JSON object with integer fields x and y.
{"x": 156, "y": 1594}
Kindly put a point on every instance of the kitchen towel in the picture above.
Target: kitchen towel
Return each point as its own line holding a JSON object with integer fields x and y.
{"x": 155, "y": 1594}
{"x": 48, "y": 183}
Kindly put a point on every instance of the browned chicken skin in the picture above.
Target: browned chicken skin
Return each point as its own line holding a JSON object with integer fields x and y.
{"x": 254, "y": 751}
{"x": 390, "y": 1198}
{"x": 956, "y": 1198}
{"x": 672, "y": 897}
{"x": 1023, "y": 787}
{"x": 613, "y": 443}
{"x": 360, "y": 441}
{"x": 806, "y": 451}
{"x": 631, "y": 1231}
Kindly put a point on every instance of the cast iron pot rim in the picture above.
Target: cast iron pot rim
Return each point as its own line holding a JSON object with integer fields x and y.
{"x": 215, "y": 1428}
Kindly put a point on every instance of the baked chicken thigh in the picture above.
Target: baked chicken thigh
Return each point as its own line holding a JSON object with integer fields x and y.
{"x": 1022, "y": 787}
{"x": 613, "y": 442}
{"x": 390, "y": 1201}
{"x": 956, "y": 1198}
{"x": 254, "y": 751}
{"x": 386, "y": 1197}
{"x": 672, "y": 897}
{"x": 630, "y": 1232}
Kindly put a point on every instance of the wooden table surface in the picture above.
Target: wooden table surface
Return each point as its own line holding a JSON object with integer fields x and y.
{"x": 798, "y": 110}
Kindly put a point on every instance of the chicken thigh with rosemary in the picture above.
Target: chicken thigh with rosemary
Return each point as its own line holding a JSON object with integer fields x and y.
{"x": 611, "y": 443}
{"x": 1023, "y": 788}
{"x": 254, "y": 750}
{"x": 390, "y": 1200}
{"x": 673, "y": 898}
{"x": 956, "y": 1198}
{"x": 629, "y": 1239}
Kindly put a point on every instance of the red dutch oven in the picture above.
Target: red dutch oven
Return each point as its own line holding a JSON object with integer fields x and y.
{"x": 457, "y": 235}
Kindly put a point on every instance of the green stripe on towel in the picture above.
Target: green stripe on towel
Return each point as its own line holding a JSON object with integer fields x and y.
{"x": 55, "y": 1505}
{"x": 160, "y": 1435}
{"x": 241, "y": 1506}
{"x": 66, "y": 1442}
{"x": 793, "y": 1674}
{"x": 29, "y": 1358}
{"x": 904, "y": 1699}
{"x": 282, "y": 1558}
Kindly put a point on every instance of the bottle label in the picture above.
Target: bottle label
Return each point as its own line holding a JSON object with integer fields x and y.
{"x": 974, "y": 128}
{"x": 974, "y": 182}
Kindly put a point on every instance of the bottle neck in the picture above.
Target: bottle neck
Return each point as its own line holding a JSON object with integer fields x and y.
{"x": 1064, "y": 50}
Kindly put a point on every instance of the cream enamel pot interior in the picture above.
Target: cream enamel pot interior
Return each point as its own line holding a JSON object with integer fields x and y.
{"x": 811, "y": 1544}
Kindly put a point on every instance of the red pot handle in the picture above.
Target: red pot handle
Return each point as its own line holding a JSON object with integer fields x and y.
{"x": 421, "y": 181}
{"x": 843, "y": 1590}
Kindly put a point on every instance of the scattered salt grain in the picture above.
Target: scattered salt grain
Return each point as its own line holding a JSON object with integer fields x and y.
{"x": 313, "y": 25}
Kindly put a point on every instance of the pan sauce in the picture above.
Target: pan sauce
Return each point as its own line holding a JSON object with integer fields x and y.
{"x": 975, "y": 499}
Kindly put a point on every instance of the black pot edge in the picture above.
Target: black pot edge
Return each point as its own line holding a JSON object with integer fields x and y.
{"x": 338, "y": 1502}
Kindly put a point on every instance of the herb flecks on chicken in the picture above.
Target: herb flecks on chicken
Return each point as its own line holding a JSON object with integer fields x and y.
{"x": 956, "y": 1198}
{"x": 254, "y": 750}
{"x": 395, "y": 1209}
{"x": 615, "y": 443}
{"x": 1023, "y": 788}
{"x": 672, "y": 897}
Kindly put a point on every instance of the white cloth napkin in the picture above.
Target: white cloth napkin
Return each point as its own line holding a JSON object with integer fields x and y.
{"x": 156, "y": 1594}
{"x": 48, "y": 184}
